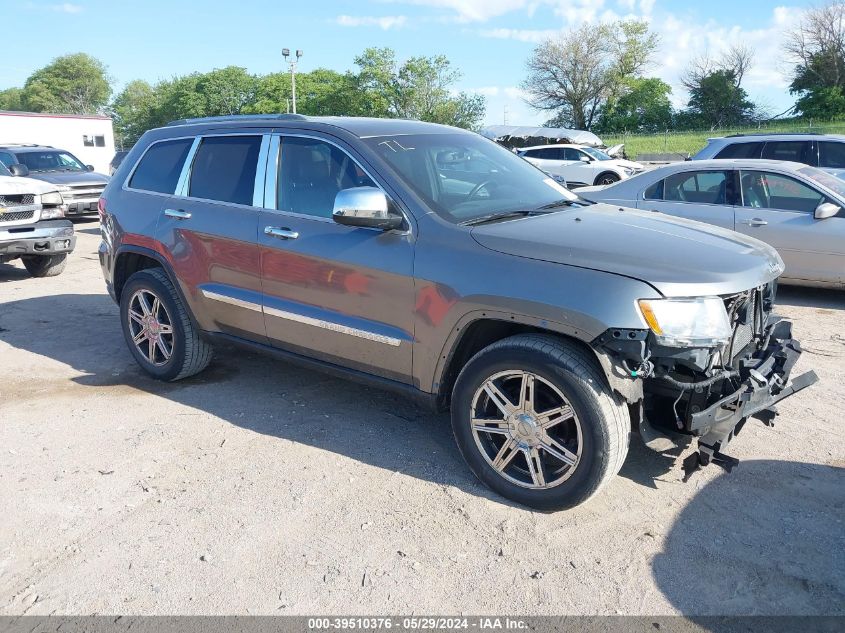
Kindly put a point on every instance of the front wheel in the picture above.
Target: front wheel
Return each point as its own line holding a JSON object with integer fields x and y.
{"x": 537, "y": 423}
{"x": 158, "y": 330}
{"x": 44, "y": 265}
{"x": 607, "y": 179}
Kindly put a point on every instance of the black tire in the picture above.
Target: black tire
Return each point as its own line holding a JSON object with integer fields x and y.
{"x": 607, "y": 178}
{"x": 190, "y": 354}
{"x": 45, "y": 265}
{"x": 604, "y": 420}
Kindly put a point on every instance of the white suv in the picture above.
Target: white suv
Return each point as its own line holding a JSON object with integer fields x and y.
{"x": 580, "y": 165}
{"x": 33, "y": 227}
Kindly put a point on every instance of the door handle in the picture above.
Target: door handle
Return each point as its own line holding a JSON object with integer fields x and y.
{"x": 177, "y": 214}
{"x": 755, "y": 222}
{"x": 282, "y": 233}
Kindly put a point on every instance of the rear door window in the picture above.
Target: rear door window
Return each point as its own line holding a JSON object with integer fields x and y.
{"x": 161, "y": 165}
{"x": 832, "y": 154}
{"x": 741, "y": 150}
{"x": 798, "y": 151}
{"x": 224, "y": 169}
{"x": 702, "y": 187}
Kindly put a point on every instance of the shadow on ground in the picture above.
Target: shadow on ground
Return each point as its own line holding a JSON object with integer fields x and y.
{"x": 767, "y": 539}
{"x": 811, "y": 297}
{"x": 250, "y": 390}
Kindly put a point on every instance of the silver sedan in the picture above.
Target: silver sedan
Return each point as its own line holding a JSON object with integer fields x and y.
{"x": 799, "y": 210}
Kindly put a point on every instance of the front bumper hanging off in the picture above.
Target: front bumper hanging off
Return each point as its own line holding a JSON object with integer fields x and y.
{"x": 764, "y": 379}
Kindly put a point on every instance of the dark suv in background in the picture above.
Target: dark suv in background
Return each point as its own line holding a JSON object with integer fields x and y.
{"x": 78, "y": 183}
{"x": 826, "y": 151}
{"x": 432, "y": 261}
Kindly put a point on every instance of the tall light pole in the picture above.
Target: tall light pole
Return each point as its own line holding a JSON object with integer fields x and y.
{"x": 292, "y": 62}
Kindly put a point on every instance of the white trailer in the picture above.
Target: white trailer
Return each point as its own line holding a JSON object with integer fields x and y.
{"x": 90, "y": 138}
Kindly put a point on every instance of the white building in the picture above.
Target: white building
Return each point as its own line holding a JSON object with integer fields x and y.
{"x": 90, "y": 138}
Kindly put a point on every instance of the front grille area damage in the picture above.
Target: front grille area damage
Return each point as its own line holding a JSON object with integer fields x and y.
{"x": 707, "y": 393}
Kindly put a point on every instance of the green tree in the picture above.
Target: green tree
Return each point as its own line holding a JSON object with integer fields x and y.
{"x": 816, "y": 47}
{"x": 643, "y": 106}
{"x": 321, "y": 92}
{"x": 72, "y": 84}
{"x": 420, "y": 88}
{"x": 578, "y": 73}
{"x": 134, "y": 111}
{"x": 11, "y": 99}
{"x": 819, "y": 85}
{"x": 718, "y": 101}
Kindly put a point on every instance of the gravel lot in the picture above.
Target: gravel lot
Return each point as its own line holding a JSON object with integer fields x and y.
{"x": 261, "y": 488}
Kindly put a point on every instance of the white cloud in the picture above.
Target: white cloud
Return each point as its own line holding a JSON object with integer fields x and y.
{"x": 474, "y": 10}
{"x": 521, "y": 35}
{"x": 64, "y": 7}
{"x": 487, "y": 91}
{"x": 683, "y": 39}
{"x": 384, "y": 22}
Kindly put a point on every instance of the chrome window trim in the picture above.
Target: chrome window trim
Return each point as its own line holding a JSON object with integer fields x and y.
{"x": 261, "y": 172}
{"x": 182, "y": 185}
{"x": 332, "y": 326}
{"x": 125, "y": 186}
{"x": 271, "y": 180}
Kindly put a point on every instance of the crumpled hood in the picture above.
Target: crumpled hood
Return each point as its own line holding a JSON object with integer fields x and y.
{"x": 71, "y": 177}
{"x": 14, "y": 185}
{"x": 678, "y": 257}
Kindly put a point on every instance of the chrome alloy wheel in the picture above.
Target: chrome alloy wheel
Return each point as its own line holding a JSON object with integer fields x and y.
{"x": 526, "y": 429}
{"x": 150, "y": 327}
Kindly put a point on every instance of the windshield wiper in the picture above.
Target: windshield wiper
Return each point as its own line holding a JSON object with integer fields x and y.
{"x": 503, "y": 215}
{"x": 565, "y": 202}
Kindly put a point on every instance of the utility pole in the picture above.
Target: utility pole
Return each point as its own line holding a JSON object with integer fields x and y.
{"x": 292, "y": 62}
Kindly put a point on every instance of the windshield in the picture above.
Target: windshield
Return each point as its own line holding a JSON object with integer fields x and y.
{"x": 463, "y": 177}
{"x": 4, "y": 171}
{"x": 597, "y": 154}
{"x": 825, "y": 179}
{"x": 50, "y": 161}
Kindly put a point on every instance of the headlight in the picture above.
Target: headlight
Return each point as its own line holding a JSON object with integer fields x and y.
{"x": 701, "y": 322}
{"x": 54, "y": 198}
{"x": 52, "y": 206}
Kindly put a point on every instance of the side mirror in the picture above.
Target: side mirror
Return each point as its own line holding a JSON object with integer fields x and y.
{"x": 585, "y": 159}
{"x": 19, "y": 170}
{"x": 367, "y": 207}
{"x": 89, "y": 167}
{"x": 825, "y": 210}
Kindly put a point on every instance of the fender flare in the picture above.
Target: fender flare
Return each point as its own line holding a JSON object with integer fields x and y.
{"x": 124, "y": 249}
{"x": 450, "y": 345}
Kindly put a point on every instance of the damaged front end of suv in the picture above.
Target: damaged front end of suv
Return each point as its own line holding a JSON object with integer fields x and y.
{"x": 703, "y": 368}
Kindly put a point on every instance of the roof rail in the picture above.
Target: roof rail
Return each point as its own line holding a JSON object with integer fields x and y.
{"x": 778, "y": 134}
{"x": 239, "y": 117}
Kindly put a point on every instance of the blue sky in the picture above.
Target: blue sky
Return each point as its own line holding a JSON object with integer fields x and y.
{"x": 487, "y": 40}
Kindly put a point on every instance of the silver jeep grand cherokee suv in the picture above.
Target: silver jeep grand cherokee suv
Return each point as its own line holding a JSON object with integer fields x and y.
{"x": 432, "y": 261}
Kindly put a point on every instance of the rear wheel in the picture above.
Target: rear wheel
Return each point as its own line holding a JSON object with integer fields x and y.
{"x": 536, "y": 422}
{"x": 607, "y": 178}
{"x": 158, "y": 330}
{"x": 44, "y": 265}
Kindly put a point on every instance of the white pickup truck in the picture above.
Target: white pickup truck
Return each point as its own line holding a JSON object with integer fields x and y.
{"x": 33, "y": 225}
